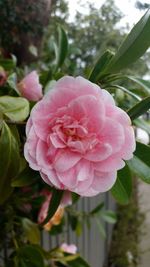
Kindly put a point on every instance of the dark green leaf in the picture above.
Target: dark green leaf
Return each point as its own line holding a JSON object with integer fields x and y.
{"x": 31, "y": 256}
{"x": 97, "y": 208}
{"x": 25, "y": 178}
{"x": 100, "y": 66}
{"x": 122, "y": 189}
{"x": 9, "y": 161}
{"x": 139, "y": 109}
{"x": 143, "y": 152}
{"x": 79, "y": 262}
{"x": 31, "y": 231}
{"x": 61, "y": 49}
{"x": 140, "y": 163}
{"x": 126, "y": 91}
{"x": 15, "y": 108}
{"x": 143, "y": 83}
{"x": 75, "y": 197}
{"x": 134, "y": 46}
{"x": 7, "y": 64}
{"x": 54, "y": 204}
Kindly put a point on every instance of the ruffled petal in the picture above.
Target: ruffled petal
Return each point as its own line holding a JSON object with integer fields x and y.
{"x": 65, "y": 159}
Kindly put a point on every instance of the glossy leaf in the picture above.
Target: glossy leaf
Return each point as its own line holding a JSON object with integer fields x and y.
{"x": 15, "y": 108}
{"x": 7, "y": 64}
{"x": 134, "y": 46}
{"x": 144, "y": 125}
{"x": 139, "y": 109}
{"x": 61, "y": 49}
{"x": 100, "y": 66}
{"x": 126, "y": 91}
{"x": 25, "y": 178}
{"x": 9, "y": 161}
{"x": 140, "y": 163}
{"x": 143, "y": 83}
{"x": 97, "y": 209}
{"x": 109, "y": 216}
{"x": 78, "y": 262}
{"x": 31, "y": 256}
{"x": 122, "y": 189}
{"x": 54, "y": 203}
{"x": 31, "y": 231}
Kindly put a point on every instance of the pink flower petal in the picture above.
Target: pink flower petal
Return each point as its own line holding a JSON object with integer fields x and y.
{"x": 65, "y": 160}
{"x": 68, "y": 178}
{"x": 109, "y": 164}
{"x": 89, "y": 107}
{"x": 41, "y": 155}
{"x": 56, "y": 141}
{"x": 112, "y": 134}
{"x": 129, "y": 145}
{"x": 103, "y": 181}
{"x": 107, "y": 98}
{"x": 100, "y": 152}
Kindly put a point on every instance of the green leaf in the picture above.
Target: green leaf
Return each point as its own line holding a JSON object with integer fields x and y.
{"x": 97, "y": 208}
{"x": 75, "y": 197}
{"x": 126, "y": 91}
{"x": 54, "y": 204}
{"x": 122, "y": 189}
{"x": 61, "y": 49}
{"x": 141, "y": 123}
{"x": 139, "y": 168}
{"x": 100, "y": 66}
{"x": 143, "y": 152}
{"x": 109, "y": 216}
{"x": 78, "y": 262}
{"x": 33, "y": 50}
{"x": 12, "y": 82}
{"x": 101, "y": 228}
{"x": 140, "y": 163}
{"x": 7, "y": 64}
{"x": 15, "y": 108}
{"x": 134, "y": 46}
{"x": 139, "y": 109}
{"x": 9, "y": 161}
{"x": 143, "y": 83}
{"x": 25, "y": 178}
{"x": 31, "y": 231}
{"x": 31, "y": 256}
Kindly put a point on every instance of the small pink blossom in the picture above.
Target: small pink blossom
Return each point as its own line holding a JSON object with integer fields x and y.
{"x": 78, "y": 138}
{"x": 56, "y": 219}
{"x": 30, "y": 88}
{"x": 72, "y": 249}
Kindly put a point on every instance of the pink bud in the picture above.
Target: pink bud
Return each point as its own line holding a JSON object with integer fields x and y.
{"x": 30, "y": 88}
{"x": 72, "y": 249}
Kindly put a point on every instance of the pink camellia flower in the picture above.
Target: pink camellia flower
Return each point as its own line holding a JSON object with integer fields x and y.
{"x": 71, "y": 249}
{"x": 30, "y": 88}
{"x": 78, "y": 138}
{"x": 57, "y": 217}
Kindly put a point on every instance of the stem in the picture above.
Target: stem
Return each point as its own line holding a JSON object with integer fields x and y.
{"x": 16, "y": 123}
{"x": 14, "y": 240}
